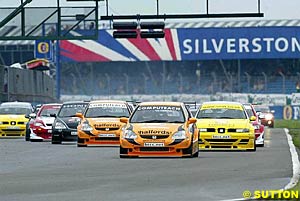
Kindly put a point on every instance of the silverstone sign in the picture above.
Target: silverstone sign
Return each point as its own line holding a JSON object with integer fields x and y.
{"x": 239, "y": 43}
{"x": 189, "y": 44}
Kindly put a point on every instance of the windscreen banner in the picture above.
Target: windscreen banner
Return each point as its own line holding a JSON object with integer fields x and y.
{"x": 188, "y": 44}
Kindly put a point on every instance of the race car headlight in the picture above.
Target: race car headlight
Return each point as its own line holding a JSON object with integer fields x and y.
{"x": 59, "y": 125}
{"x": 129, "y": 134}
{"x": 242, "y": 130}
{"x": 179, "y": 135}
{"x": 203, "y": 129}
{"x": 1, "y": 122}
{"x": 86, "y": 127}
{"x": 269, "y": 117}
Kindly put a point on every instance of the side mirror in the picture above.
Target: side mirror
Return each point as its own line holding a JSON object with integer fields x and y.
{"x": 80, "y": 115}
{"x": 53, "y": 115}
{"x": 192, "y": 120}
{"x": 252, "y": 118}
{"x": 124, "y": 120}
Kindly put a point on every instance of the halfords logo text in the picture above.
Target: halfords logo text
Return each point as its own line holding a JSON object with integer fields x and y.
{"x": 106, "y": 125}
{"x": 154, "y": 132}
{"x": 272, "y": 194}
{"x": 240, "y": 45}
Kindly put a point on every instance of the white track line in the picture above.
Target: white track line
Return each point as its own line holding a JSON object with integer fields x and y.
{"x": 295, "y": 160}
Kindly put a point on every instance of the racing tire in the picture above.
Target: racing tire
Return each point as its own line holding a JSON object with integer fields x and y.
{"x": 56, "y": 140}
{"x": 27, "y": 135}
{"x": 189, "y": 151}
{"x": 123, "y": 152}
{"x": 260, "y": 145}
{"x": 37, "y": 140}
{"x": 196, "y": 155}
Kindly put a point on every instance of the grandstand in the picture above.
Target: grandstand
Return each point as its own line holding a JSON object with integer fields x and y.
{"x": 209, "y": 76}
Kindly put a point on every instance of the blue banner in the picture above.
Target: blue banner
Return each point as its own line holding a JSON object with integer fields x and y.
{"x": 187, "y": 44}
{"x": 239, "y": 43}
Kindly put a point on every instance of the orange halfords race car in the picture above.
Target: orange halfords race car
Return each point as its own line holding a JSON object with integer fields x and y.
{"x": 159, "y": 129}
{"x": 100, "y": 123}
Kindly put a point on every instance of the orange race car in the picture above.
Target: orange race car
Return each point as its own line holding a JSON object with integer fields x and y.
{"x": 100, "y": 123}
{"x": 159, "y": 129}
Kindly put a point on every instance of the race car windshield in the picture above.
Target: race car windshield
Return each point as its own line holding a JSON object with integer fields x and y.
{"x": 8, "y": 110}
{"x": 249, "y": 110}
{"x": 158, "y": 114}
{"x": 221, "y": 113}
{"x": 114, "y": 112}
{"x": 71, "y": 110}
{"x": 48, "y": 111}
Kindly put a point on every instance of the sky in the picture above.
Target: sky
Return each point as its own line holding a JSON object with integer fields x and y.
{"x": 272, "y": 9}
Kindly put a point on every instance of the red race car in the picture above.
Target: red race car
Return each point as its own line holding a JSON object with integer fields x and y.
{"x": 41, "y": 125}
{"x": 258, "y": 126}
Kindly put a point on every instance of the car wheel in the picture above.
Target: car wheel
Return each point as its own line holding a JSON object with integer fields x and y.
{"x": 27, "y": 134}
{"x": 189, "y": 151}
{"x": 56, "y": 140}
{"x": 196, "y": 154}
{"x": 261, "y": 145}
{"x": 123, "y": 152}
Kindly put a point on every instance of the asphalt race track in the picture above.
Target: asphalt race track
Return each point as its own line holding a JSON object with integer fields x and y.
{"x": 40, "y": 171}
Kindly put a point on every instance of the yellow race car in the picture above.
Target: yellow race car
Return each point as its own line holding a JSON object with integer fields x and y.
{"x": 100, "y": 123}
{"x": 159, "y": 129}
{"x": 12, "y": 118}
{"x": 225, "y": 126}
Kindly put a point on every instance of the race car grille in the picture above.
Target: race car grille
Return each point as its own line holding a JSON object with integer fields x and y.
{"x": 222, "y": 140}
{"x": 107, "y": 138}
{"x": 21, "y": 123}
{"x": 244, "y": 141}
{"x": 154, "y": 136}
{"x": 107, "y": 129}
{"x": 11, "y": 134}
{"x": 49, "y": 124}
{"x": 154, "y": 149}
{"x": 72, "y": 125}
{"x": 13, "y": 130}
{"x": 221, "y": 147}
